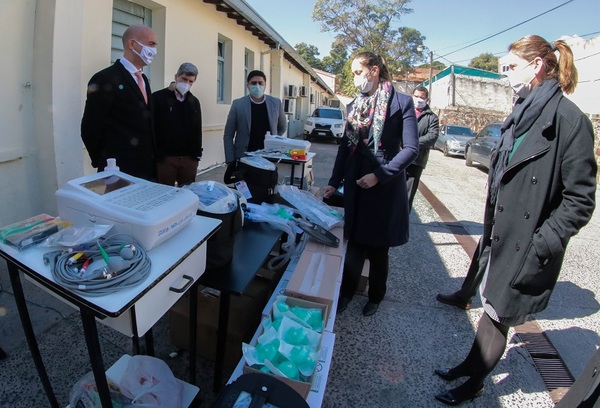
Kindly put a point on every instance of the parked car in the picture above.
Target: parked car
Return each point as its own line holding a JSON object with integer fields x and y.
{"x": 325, "y": 122}
{"x": 479, "y": 149}
{"x": 452, "y": 139}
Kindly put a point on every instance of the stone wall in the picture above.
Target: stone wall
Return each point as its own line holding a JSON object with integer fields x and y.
{"x": 475, "y": 118}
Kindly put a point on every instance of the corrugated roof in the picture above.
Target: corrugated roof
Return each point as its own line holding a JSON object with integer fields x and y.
{"x": 460, "y": 70}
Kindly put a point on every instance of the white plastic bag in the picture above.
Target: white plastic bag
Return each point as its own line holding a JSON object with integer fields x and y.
{"x": 149, "y": 382}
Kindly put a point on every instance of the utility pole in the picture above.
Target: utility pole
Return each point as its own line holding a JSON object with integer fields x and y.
{"x": 430, "y": 71}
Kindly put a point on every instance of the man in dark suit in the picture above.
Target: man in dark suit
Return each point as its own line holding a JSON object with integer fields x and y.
{"x": 117, "y": 120}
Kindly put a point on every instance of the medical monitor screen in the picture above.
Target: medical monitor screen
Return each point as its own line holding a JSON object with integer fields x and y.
{"x": 106, "y": 184}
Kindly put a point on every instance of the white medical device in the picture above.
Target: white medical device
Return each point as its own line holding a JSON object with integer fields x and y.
{"x": 150, "y": 212}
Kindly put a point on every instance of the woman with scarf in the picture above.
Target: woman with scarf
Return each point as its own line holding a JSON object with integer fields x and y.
{"x": 542, "y": 185}
{"x": 379, "y": 143}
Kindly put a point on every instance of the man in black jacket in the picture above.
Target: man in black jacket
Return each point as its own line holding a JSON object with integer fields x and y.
{"x": 428, "y": 125}
{"x": 178, "y": 129}
{"x": 117, "y": 120}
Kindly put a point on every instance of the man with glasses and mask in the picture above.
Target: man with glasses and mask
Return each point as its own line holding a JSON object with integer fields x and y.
{"x": 178, "y": 128}
{"x": 250, "y": 118}
{"x": 117, "y": 120}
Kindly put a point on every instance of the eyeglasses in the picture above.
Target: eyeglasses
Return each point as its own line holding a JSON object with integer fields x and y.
{"x": 257, "y": 83}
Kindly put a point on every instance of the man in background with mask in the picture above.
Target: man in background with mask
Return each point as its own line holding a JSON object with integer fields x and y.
{"x": 117, "y": 120}
{"x": 249, "y": 119}
{"x": 178, "y": 129}
{"x": 429, "y": 126}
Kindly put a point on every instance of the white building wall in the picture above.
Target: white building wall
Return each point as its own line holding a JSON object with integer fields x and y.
{"x": 473, "y": 92}
{"x": 55, "y": 46}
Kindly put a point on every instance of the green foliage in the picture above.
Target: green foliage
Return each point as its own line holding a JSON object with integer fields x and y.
{"x": 372, "y": 26}
{"x": 486, "y": 61}
{"x": 310, "y": 54}
{"x": 436, "y": 65}
{"x": 337, "y": 58}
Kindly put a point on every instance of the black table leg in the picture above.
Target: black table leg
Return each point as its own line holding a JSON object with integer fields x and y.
{"x": 149, "y": 342}
{"x": 193, "y": 334}
{"x": 293, "y": 166}
{"x": 221, "y": 340}
{"x": 93, "y": 344}
{"x": 17, "y": 288}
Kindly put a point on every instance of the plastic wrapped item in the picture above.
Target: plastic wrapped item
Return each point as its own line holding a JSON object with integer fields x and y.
{"x": 84, "y": 394}
{"x": 216, "y": 200}
{"x": 311, "y": 207}
{"x": 31, "y": 231}
{"x": 285, "y": 144}
{"x": 149, "y": 382}
{"x": 214, "y": 197}
{"x": 74, "y": 236}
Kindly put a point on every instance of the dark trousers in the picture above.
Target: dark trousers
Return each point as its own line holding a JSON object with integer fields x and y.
{"x": 378, "y": 271}
{"x": 413, "y": 175}
{"x": 180, "y": 169}
{"x": 475, "y": 273}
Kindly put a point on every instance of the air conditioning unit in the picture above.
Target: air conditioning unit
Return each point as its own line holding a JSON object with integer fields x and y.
{"x": 303, "y": 91}
{"x": 289, "y": 105}
{"x": 292, "y": 91}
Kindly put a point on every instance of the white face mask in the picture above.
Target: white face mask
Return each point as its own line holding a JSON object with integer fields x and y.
{"x": 147, "y": 54}
{"x": 519, "y": 82}
{"x": 182, "y": 87}
{"x": 362, "y": 83}
{"x": 419, "y": 102}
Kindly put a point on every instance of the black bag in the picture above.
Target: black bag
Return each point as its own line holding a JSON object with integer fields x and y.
{"x": 255, "y": 390}
{"x": 260, "y": 181}
{"x": 219, "y": 247}
{"x": 218, "y": 201}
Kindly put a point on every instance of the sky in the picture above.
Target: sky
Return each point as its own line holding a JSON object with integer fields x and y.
{"x": 450, "y": 25}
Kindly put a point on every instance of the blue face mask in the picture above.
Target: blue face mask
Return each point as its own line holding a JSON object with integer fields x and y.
{"x": 257, "y": 91}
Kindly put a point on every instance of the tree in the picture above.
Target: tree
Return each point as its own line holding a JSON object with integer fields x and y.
{"x": 371, "y": 26}
{"x": 486, "y": 61}
{"x": 309, "y": 53}
{"x": 336, "y": 59}
{"x": 436, "y": 65}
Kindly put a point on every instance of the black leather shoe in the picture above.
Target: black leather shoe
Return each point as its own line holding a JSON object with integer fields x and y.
{"x": 445, "y": 374}
{"x": 342, "y": 304}
{"x": 454, "y": 300}
{"x": 449, "y": 399}
{"x": 370, "y": 309}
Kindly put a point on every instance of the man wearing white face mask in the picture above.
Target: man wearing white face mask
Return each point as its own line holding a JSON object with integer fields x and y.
{"x": 117, "y": 120}
{"x": 429, "y": 126}
{"x": 250, "y": 118}
{"x": 178, "y": 129}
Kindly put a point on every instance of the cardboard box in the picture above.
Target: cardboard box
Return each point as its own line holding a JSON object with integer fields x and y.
{"x": 244, "y": 316}
{"x": 315, "y": 278}
{"x": 301, "y": 387}
{"x": 316, "y": 246}
{"x": 206, "y": 340}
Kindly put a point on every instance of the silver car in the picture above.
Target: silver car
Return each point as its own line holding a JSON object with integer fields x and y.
{"x": 452, "y": 139}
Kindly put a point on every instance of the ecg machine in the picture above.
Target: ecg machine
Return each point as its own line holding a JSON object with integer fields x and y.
{"x": 150, "y": 212}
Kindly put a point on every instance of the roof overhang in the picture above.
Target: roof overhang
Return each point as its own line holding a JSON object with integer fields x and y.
{"x": 248, "y": 18}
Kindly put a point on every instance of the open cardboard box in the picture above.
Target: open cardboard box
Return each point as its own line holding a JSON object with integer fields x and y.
{"x": 301, "y": 387}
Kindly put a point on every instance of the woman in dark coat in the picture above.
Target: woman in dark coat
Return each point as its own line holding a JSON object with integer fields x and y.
{"x": 379, "y": 143}
{"x": 542, "y": 185}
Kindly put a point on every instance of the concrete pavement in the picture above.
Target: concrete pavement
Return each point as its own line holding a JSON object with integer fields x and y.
{"x": 386, "y": 360}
